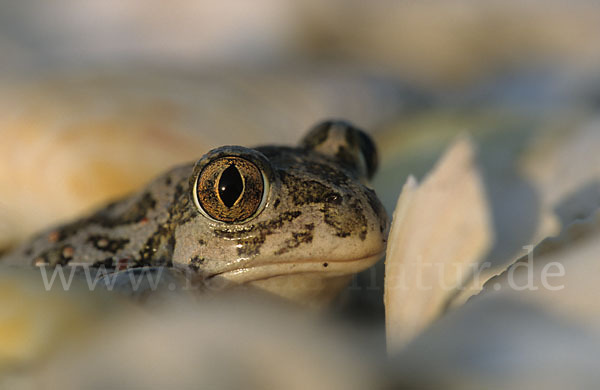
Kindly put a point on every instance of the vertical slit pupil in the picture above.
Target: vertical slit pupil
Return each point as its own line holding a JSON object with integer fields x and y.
{"x": 231, "y": 185}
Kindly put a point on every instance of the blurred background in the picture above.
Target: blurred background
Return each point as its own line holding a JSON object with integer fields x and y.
{"x": 97, "y": 97}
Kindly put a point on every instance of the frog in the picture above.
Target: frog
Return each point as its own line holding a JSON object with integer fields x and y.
{"x": 294, "y": 221}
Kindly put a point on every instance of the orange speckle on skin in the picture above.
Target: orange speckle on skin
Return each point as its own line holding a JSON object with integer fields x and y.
{"x": 53, "y": 236}
{"x": 68, "y": 252}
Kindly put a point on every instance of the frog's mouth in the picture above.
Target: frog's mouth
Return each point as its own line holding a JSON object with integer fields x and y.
{"x": 325, "y": 268}
{"x": 310, "y": 283}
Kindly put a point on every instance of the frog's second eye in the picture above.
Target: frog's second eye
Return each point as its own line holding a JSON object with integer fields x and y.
{"x": 230, "y": 189}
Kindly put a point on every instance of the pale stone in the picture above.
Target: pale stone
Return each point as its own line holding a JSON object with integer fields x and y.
{"x": 440, "y": 231}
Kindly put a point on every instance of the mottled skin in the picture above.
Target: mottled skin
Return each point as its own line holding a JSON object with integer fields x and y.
{"x": 317, "y": 217}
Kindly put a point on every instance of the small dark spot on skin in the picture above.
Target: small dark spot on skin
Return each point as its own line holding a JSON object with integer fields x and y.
{"x": 201, "y": 242}
{"x": 196, "y": 262}
{"x": 325, "y": 265}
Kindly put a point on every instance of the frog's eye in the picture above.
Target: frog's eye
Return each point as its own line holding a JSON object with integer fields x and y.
{"x": 230, "y": 189}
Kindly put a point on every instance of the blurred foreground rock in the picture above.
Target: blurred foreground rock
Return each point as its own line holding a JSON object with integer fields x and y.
{"x": 80, "y": 339}
{"x": 440, "y": 231}
{"x": 536, "y": 325}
